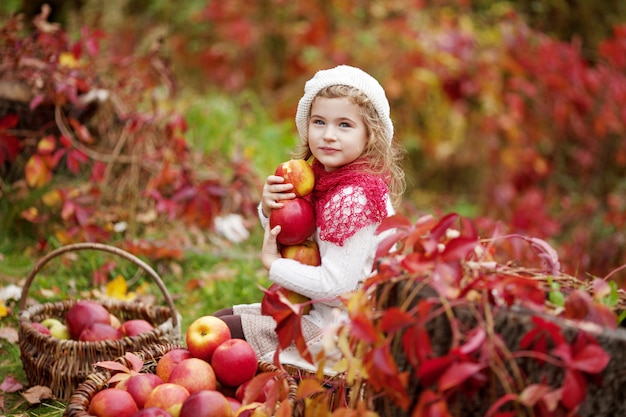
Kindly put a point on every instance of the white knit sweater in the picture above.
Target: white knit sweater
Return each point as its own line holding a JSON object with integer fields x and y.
{"x": 342, "y": 270}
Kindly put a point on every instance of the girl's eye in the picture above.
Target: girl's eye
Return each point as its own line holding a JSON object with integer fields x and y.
{"x": 344, "y": 124}
{"x": 317, "y": 122}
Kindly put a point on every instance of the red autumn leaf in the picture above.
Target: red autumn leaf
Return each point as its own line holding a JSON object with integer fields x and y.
{"x": 430, "y": 370}
{"x": 475, "y": 341}
{"x": 402, "y": 228}
{"x": 457, "y": 374}
{"x": 395, "y": 319}
{"x": 9, "y": 148}
{"x": 590, "y": 358}
{"x": 81, "y": 131}
{"x": 10, "y": 384}
{"x": 362, "y": 328}
{"x": 417, "y": 345}
{"x": 75, "y": 159}
{"x": 577, "y": 305}
{"x": 458, "y": 249}
{"x": 288, "y": 317}
{"x": 539, "y": 337}
{"x": 431, "y": 404}
{"x": 574, "y": 388}
{"x": 384, "y": 375}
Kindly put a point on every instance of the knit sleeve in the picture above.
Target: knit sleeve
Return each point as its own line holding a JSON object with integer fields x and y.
{"x": 342, "y": 269}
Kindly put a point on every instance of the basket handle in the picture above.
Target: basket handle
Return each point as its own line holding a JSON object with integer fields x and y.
{"x": 106, "y": 248}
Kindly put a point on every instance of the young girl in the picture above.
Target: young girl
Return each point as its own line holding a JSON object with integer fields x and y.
{"x": 344, "y": 125}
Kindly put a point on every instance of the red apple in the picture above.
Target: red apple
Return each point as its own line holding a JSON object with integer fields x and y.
{"x": 306, "y": 252}
{"x": 234, "y": 362}
{"x": 112, "y": 402}
{"x": 205, "y": 334}
{"x": 41, "y": 328}
{"x": 296, "y": 219}
{"x": 169, "y": 360}
{"x": 244, "y": 394}
{"x": 82, "y": 314}
{"x": 97, "y": 332}
{"x": 135, "y": 326}
{"x": 151, "y": 412}
{"x": 139, "y": 386}
{"x": 168, "y": 397}
{"x": 206, "y": 403}
{"x": 299, "y": 173}
{"x": 194, "y": 374}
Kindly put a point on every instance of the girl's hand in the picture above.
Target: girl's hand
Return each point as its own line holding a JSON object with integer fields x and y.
{"x": 274, "y": 190}
{"x": 269, "y": 251}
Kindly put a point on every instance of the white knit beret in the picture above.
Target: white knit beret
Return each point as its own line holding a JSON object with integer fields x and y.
{"x": 352, "y": 77}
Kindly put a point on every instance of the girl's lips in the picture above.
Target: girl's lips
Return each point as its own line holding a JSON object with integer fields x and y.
{"x": 328, "y": 150}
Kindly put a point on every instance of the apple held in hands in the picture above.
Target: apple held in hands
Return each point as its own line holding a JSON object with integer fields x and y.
{"x": 299, "y": 173}
{"x": 296, "y": 219}
{"x": 204, "y": 335}
{"x": 306, "y": 252}
{"x": 234, "y": 362}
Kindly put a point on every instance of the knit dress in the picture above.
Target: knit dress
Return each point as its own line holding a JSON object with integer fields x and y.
{"x": 349, "y": 206}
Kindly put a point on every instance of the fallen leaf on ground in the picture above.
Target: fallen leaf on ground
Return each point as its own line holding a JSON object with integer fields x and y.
{"x": 34, "y": 395}
{"x": 9, "y": 333}
{"x": 10, "y": 384}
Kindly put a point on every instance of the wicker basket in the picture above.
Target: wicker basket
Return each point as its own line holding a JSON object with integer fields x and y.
{"x": 603, "y": 400}
{"x": 339, "y": 393}
{"x": 63, "y": 364}
{"x": 97, "y": 381}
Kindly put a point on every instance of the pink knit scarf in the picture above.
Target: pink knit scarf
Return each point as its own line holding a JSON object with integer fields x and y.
{"x": 340, "y": 208}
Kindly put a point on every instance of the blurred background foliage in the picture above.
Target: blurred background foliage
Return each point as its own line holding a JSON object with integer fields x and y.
{"x": 511, "y": 112}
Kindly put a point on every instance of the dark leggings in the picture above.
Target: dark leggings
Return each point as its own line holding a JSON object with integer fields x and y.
{"x": 233, "y": 321}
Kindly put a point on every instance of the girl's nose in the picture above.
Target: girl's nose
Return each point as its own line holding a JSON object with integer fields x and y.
{"x": 329, "y": 133}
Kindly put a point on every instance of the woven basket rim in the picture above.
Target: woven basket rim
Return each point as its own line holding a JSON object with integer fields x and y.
{"x": 104, "y": 248}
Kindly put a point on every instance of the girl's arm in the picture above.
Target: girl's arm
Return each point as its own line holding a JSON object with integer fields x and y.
{"x": 341, "y": 271}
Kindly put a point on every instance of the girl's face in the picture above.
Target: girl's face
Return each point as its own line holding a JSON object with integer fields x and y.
{"x": 337, "y": 133}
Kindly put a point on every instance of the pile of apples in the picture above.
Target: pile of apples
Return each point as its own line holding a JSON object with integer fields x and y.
{"x": 89, "y": 321}
{"x": 297, "y": 221}
{"x": 208, "y": 378}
